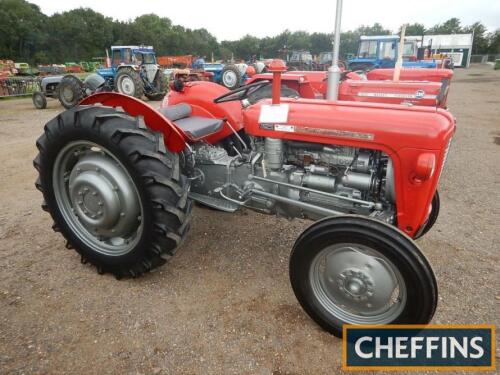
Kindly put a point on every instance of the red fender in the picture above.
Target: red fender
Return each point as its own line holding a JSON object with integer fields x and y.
{"x": 174, "y": 138}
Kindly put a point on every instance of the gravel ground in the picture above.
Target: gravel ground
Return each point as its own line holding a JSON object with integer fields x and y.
{"x": 224, "y": 303}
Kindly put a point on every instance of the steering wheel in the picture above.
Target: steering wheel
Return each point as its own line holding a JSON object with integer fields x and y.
{"x": 241, "y": 92}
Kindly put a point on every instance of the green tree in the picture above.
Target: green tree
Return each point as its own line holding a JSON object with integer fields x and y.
{"x": 78, "y": 34}
{"x": 414, "y": 29}
{"x": 480, "y": 42}
{"x": 452, "y": 26}
{"x": 21, "y": 29}
{"x": 494, "y": 42}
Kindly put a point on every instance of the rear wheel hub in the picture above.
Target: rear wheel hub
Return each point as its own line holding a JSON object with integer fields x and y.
{"x": 97, "y": 197}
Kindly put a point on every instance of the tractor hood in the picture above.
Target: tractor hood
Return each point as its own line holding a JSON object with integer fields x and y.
{"x": 370, "y": 125}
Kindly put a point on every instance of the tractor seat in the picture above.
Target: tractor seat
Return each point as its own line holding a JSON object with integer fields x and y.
{"x": 195, "y": 127}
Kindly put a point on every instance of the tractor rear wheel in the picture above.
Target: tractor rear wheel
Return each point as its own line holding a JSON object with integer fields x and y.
{"x": 231, "y": 77}
{"x": 356, "y": 270}
{"x": 113, "y": 190}
{"x": 70, "y": 91}
{"x": 129, "y": 82}
{"x": 160, "y": 85}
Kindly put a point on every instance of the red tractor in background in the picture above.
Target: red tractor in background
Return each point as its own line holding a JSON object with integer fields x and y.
{"x": 424, "y": 87}
{"x": 119, "y": 177}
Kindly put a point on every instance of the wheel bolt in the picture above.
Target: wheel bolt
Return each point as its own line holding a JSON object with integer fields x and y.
{"x": 99, "y": 203}
{"x": 94, "y": 193}
{"x": 122, "y": 214}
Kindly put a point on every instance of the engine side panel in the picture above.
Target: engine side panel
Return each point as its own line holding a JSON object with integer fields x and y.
{"x": 400, "y": 132}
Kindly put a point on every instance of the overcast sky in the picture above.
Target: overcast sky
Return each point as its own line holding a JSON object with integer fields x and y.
{"x": 231, "y": 19}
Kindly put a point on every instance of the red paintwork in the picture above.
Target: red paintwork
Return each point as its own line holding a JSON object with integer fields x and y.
{"x": 411, "y": 136}
{"x": 175, "y": 139}
{"x": 277, "y": 68}
{"x": 313, "y": 85}
{"x": 403, "y": 133}
{"x": 395, "y": 92}
{"x": 200, "y": 95}
{"x": 417, "y": 74}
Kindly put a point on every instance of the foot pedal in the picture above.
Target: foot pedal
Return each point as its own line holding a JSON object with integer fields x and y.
{"x": 217, "y": 203}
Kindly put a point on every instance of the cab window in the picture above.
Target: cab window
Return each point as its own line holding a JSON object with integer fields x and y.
{"x": 127, "y": 56}
{"x": 117, "y": 59}
{"x": 368, "y": 49}
{"x": 387, "y": 50}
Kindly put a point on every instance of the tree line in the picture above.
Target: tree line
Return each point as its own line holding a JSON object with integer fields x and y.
{"x": 28, "y": 35}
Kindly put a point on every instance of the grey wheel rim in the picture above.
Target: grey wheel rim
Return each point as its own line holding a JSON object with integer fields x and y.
{"x": 357, "y": 284}
{"x": 97, "y": 198}
{"x": 39, "y": 100}
{"x": 126, "y": 85}
{"x": 67, "y": 94}
{"x": 229, "y": 78}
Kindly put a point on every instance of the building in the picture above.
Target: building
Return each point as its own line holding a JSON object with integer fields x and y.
{"x": 457, "y": 46}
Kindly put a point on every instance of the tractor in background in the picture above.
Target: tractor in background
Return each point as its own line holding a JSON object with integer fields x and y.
{"x": 132, "y": 71}
{"x": 381, "y": 52}
{"x": 135, "y": 72}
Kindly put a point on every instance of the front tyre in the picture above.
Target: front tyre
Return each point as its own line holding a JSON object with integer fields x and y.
{"x": 114, "y": 191}
{"x": 355, "y": 270}
{"x": 231, "y": 77}
{"x": 129, "y": 82}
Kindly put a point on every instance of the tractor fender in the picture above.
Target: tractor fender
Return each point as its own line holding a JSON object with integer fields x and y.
{"x": 200, "y": 96}
{"x": 174, "y": 138}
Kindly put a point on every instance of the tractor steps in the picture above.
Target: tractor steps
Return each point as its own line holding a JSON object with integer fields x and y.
{"x": 217, "y": 203}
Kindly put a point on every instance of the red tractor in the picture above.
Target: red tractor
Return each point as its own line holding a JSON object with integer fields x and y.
{"x": 119, "y": 177}
{"x": 424, "y": 87}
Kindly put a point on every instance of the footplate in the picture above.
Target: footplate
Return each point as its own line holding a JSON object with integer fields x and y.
{"x": 217, "y": 203}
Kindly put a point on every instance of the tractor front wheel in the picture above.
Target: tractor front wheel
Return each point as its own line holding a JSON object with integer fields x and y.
{"x": 39, "y": 100}
{"x": 355, "y": 270}
{"x": 113, "y": 190}
{"x": 129, "y": 82}
{"x": 231, "y": 77}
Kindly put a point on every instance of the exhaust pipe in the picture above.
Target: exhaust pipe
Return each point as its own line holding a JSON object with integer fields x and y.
{"x": 332, "y": 92}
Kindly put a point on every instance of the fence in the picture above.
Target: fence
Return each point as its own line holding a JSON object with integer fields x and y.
{"x": 483, "y": 59}
{"x": 18, "y": 86}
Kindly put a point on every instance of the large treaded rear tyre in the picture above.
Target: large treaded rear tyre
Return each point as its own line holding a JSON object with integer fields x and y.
{"x": 129, "y": 82}
{"x": 70, "y": 91}
{"x": 122, "y": 145}
{"x": 161, "y": 86}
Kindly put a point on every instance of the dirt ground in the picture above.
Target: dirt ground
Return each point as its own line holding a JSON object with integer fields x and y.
{"x": 224, "y": 303}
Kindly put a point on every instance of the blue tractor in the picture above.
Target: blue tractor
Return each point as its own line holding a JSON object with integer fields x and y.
{"x": 382, "y": 51}
{"x": 231, "y": 76}
{"x": 133, "y": 71}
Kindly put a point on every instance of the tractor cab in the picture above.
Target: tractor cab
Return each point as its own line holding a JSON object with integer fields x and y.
{"x": 382, "y": 52}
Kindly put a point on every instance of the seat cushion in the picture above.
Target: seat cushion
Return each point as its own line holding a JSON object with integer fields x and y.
{"x": 176, "y": 112}
{"x": 199, "y": 127}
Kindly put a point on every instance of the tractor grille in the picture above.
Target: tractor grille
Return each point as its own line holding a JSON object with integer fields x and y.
{"x": 446, "y": 151}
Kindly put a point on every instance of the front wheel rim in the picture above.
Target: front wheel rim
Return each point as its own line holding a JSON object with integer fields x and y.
{"x": 357, "y": 284}
{"x": 127, "y": 85}
{"x": 229, "y": 78}
{"x": 97, "y": 198}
